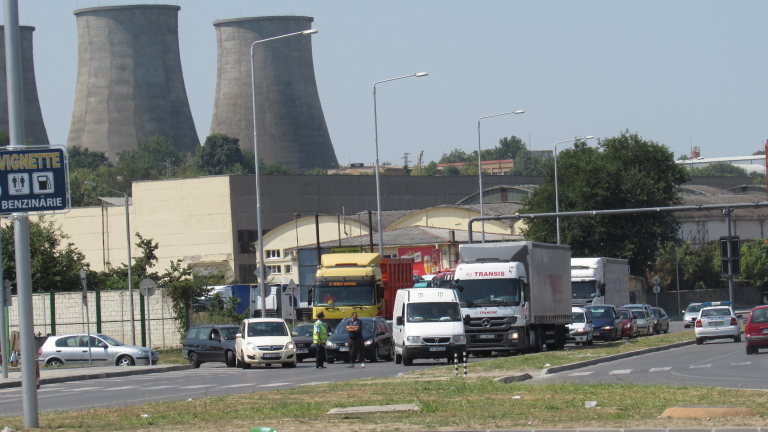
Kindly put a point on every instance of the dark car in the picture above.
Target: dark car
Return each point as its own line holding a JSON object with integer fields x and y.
{"x": 662, "y": 320}
{"x": 756, "y": 329}
{"x": 378, "y": 341}
{"x": 606, "y": 322}
{"x": 302, "y": 337}
{"x": 210, "y": 343}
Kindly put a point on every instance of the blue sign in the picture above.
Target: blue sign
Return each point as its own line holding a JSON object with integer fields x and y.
{"x": 34, "y": 179}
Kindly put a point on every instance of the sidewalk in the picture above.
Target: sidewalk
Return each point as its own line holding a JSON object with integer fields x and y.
{"x": 60, "y": 375}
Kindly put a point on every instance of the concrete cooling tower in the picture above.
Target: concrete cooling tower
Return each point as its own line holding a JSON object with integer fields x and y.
{"x": 290, "y": 120}
{"x": 130, "y": 86}
{"x": 34, "y": 128}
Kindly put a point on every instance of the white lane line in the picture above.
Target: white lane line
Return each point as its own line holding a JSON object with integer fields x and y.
{"x": 741, "y": 364}
{"x": 121, "y": 388}
{"x": 80, "y": 389}
{"x": 318, "y": 382}
{"x": 274, "y": 384}
{"x": 699, "y": 366}
{"x": 157, "y": 387}
{"x": 197, "y": 386}
{"x": 620, "y": 372}
{"x": 237, "y": 385}
{"x": 580, "y": 374}
{"x": 662, "y": 369}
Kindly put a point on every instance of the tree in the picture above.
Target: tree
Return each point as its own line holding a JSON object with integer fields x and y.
{"x": 528, "y": 164}
{"x": 509, "y": 148}
{"x": 457, "y": 155}
{"x": 719, "y": 170}
{"x": 698, "y": 267}
{"x": 430, "y": 169}
{"x": 277, "y": 168}
{"x": 758, "y": 178}
{"x": 451, "y": 170}
{"x": 220, "y": 154}
{"x": 84, "y": 158}
{"x": 754, "y": 262}
{"x": 622, "y": 172}
{"x": 150, "y": 160}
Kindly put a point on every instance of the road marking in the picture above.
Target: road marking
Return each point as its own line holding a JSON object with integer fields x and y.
{"x": 318, "y": 382}
{"x": 662, "y": 369}
{"x": 741, "y": 364}
{"x": 236, "y": 385}
{"x": 580, "y": 373}
{"x": 81, "y": 389}
{"x": 274, "y": 384}
{"x": 158, "y": 387}
{"x": 121, "y": 388}
{"x": 620, "y": 372}
{"x": 699, "y": 366}
{"x": 197, "y": 386}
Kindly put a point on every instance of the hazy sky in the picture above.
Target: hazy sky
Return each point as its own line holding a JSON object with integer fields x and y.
{"x": 680, "y": 72}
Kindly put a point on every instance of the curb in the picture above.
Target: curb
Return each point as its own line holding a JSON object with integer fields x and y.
{"x": 719, "y": 429}
{"x": 98, "y": 375}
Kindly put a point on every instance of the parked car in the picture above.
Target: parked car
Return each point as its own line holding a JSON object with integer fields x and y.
{"x": 302, "y": 337}
{"x": 646, "y": 323}
{"x": 606, "y": 321}
{"x": 581, "y": 330}
{"x": 628, "y": 323}
{"x": 662, "y": 320}
{"x": 378, "y": 341}
{"x": 264, "y": 341}
{"x": 210, "y": 343}
{"x": 756, "y": 329}
{"x": 691, "y": 313}
{"x": 105, "y": 351}
{"x": 717, "y": 322}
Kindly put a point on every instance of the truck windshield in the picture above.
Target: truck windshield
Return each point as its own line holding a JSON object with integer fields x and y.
{"x": 489, "y": 292}
{"x": 432, "y": 312}
{"x": 583, "y": 289}
{"x": 361, "y": 295}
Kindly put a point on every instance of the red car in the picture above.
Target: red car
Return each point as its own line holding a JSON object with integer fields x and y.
{"x": 756, "y": 330}
{"x": 628, "y": 323}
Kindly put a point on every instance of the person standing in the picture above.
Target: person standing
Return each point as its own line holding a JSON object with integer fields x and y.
{"x": 319, "y": 338}
{"x": 355, "y": 341}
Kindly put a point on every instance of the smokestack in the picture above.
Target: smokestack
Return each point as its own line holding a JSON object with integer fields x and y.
{"x": 695, "y": 152}
{"x": 290, "y": 120}
{"x": 34, "y": 128}
{"x": 130, "y": 86}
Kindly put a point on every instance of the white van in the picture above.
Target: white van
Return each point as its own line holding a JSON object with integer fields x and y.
{"x": 427, "y": 324}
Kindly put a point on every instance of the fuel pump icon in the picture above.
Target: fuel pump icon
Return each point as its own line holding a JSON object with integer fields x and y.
{"x": 42, "y": 183}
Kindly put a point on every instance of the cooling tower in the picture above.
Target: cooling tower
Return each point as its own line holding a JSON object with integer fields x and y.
{"x": 130, "y": 86}
{"x": 34, "y": 128}
{"x": 291, "y": 125}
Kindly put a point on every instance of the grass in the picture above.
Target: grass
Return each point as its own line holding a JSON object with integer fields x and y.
{"x": 170, "y": 356}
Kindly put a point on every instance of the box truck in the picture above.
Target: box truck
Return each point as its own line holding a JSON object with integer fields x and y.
{"x": 599, "y": 281}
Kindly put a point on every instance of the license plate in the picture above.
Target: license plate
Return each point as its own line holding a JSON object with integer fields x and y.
{"x": 271, "y": 355}
{"x": 343, "y": 349}
{"x": 765, "y": 331}
{"x": 486, "y": 336}
{"x": 437, "y": 348}
{"x": 715, "y": 323}
{"x": 302, "y": 351}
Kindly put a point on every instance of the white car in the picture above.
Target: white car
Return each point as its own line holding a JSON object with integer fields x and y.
{"x": 264, "y": 341}
{"x": 581, "y": 330}
{"x": 691, "y": 313}
{"x": 717, "y": 322}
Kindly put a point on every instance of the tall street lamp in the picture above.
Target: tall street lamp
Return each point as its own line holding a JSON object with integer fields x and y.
{"x": 480, "y": 166}
{"x": 261, "y": 270}
{"x": 376, "y": 131}
{"x": 557, "y": 199}
{"x": 128, "y": 247}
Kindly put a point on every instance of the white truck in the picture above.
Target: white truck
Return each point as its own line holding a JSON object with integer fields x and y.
{"x": 599, "y": 281}
{"x": 516, "y": 294}
{"x": 427, "y": 324}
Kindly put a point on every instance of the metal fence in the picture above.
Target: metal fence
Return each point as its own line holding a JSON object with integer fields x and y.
{"x": 109, "y": 313}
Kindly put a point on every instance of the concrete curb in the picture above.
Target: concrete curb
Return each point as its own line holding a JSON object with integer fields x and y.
{"x": 126, "y": 371}
{"x": 721, "y": 429}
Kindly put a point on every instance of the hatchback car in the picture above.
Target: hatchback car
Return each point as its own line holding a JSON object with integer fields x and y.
{"x": 643, "y": 319}
{"x": 628, "y": 323}
{"x": 691, "y": 313}
{"x": 662, "y": 320}
{"x": 210, "y": 343}
{"x": 105, "y": 351}
{"x": 756, "y": 329}
{"x": 717, "y": 322}
{"x": 606, "y": 320}
{"x": 264, "y": 341}
{"x": 580, "y": 331}
{"x": 378, "y": 341}
{"x": 302, "y": 337}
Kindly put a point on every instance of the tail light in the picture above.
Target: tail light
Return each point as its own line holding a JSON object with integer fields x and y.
{"x": 40, "y": 352}
{"x": 734, "y": 321}
{"x": 698, "y": 323}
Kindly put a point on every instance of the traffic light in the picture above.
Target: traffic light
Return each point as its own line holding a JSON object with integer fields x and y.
{"x": 734, "y": 259}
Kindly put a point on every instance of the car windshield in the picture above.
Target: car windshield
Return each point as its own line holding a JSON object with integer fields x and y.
{"x": 229, "y": 332}
{"x": 716, "y": 312}
{"x": 578, "y": 317}
{"x": 342, "y": 327}
{"x": 361, "y": 295}
{"x": 274, "y": 328}
{"x": 625, "y": 314}
{"x": 110, "y": 340}
{"x": 303, "y": 330}
{"x": 694, "y": 308}
{"x": 638, "y": 313}
{"x": 760, "y": 315}
{"x": 488, "y": 292}
{"x": 423, "y": 312}
{"x": 656, "y": 313}
{"x": 580, "y": 290}
{"x": 601, "y": 312}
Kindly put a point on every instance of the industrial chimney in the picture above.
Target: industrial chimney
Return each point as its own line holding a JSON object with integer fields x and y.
{"x": 291, "y": 125}
{"x": 130, "y": 86}
{"x": 34, "y": 128}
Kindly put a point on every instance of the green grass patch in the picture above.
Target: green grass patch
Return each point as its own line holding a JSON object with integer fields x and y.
{"x": 170, "y": 356}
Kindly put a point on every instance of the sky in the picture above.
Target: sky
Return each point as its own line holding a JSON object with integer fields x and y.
{"x": 681, "y": 73}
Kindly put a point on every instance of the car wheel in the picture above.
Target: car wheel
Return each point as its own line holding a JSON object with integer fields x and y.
{"x": 407, "y": 361}
{"x": 699, "y": 341}
{"x": 737, "y": 338}
{"x": 54, "y": 362}
{"x": 390, "y": 353}
{"x": 125, "y": 361}
{"x": 591, "y": 341}
{"x": 375, "y": 357}
{"x": 398, "y": 358}
{"x": 243, "y": 364}
{"x": 193, "y": 360}
{"x": 330, "y": 361}
{"x": 230, "y": 359}
{"x": 750, "y": 350}
{"x": 290, "y": 365}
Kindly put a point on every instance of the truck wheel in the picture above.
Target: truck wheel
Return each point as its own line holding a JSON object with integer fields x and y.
{"x": 551, "y": 346}
{"x": 407, "y": 361}
{"x": 534, "y": 341}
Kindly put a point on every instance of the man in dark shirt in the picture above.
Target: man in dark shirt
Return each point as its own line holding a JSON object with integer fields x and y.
{"x": 355, "y": 341}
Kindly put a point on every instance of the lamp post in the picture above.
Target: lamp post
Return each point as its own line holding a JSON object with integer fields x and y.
{"x": 261, "y": 270}
{"x": 557, "y": 199}
{"x": 480, "y": 167}
{"x": 376, "y": 132}
{"x": 128, "y": 247}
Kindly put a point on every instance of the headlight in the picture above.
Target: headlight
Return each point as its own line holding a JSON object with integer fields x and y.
{"x": 513, "y": 335}
{"x": 143, "y": 353}
{"x": 290, "y": 345}
{"x": 250, "y": 346}
{"x": 581, "y": 330}
{"x": 368, "y": 342}
{"x": 608, "y": 328}
{"x": 628, "y": 325}
{"x": 459, "y": 339}
{"x": 414, "y": 340}
{"x": 330, "y": 345}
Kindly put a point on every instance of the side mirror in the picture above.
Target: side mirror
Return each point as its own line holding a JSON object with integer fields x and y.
{"x": 238, "y": 336}
{"x": 467, "y": 319}
{"x": 294, "y": 334}
{"x": 399, "y": 321}
{"x": 589, "y": 321}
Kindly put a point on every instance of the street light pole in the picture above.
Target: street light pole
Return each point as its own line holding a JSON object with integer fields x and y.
{"x": 128, "y": 247}
{"x": 261, "y": 270}
{"x": 376, "y": 132}
{"x": 557, "y": 199}
{"x": 480, "y": 167}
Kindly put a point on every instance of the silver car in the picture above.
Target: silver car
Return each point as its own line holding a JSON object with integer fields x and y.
{"x": 105, "y": 351}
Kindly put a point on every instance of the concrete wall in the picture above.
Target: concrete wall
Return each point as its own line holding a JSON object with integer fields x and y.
{"x": 291, "y": 125}
{"x": 130, "y": 86}
{"x": 34, "y": 128}
{"x": 744, "y": 297}
{"x": 450, "y": 218}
